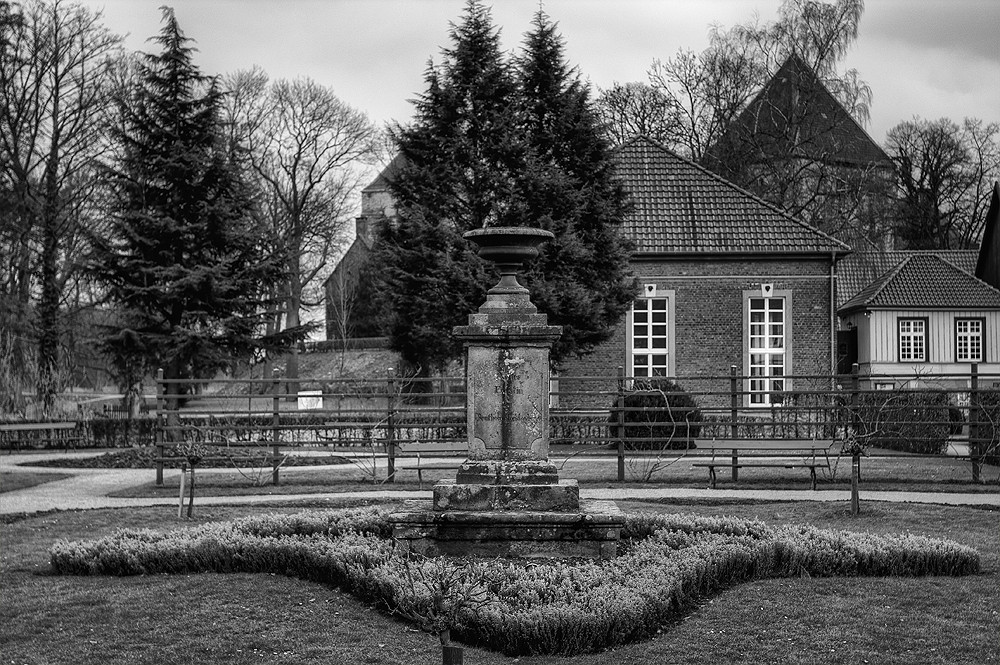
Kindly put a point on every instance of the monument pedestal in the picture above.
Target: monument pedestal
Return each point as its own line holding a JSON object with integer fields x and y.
{"x": 507, "y": 498}
{"x": 591, "y": 531}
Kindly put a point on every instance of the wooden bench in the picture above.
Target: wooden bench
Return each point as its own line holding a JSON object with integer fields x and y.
{"x": 763, "y": 453}
{"x": 64, "y": 432}
{"x": 420, "y": 451}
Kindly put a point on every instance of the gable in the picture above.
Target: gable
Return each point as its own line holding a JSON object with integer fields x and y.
{"x": 679, "y": 207}
{"x": 795, "y": 115}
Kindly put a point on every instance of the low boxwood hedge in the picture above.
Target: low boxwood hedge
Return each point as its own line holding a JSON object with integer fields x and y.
{"x": 554, "y": 607}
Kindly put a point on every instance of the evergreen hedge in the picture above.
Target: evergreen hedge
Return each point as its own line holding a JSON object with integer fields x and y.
{"x": 659, "y": 415}
{"x": 555, "y": 607}
{"x": 911, "y": 421}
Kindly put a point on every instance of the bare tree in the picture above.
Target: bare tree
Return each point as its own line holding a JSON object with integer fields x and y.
{"x": 638, "y": 109}
{"x": 54, "y": 79}
{"x": 945, "y": 174}
{"x": 309, "y": 151}
{"x": 765, "y": 106}
{"x": 709, "y": 89}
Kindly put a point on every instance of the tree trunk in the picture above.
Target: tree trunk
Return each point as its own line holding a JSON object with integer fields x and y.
{"x": 292, "y": 322}
{"x": 48, "y": 306}
{"x": 48, "y": 320}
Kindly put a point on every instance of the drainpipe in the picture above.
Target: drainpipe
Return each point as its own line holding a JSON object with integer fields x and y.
{"x": 833, "y": 319}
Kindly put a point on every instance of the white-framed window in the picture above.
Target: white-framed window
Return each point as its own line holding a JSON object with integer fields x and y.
{"x": 767, "y": 328}
{"x": 650, "y": 337}
{"x": 912, "y": 340}
{"x": 969, "y": 340}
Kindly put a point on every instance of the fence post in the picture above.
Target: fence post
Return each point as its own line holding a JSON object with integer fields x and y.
{"x": 158, "y": 432}
{"x": 974, "y": 430}
{"x": 856, "y": 451}
{"x": 734, "y": 412}
{"x": 620, "y": 422}
{"x": 390, "y": 426}
{"x": 275, "y": 419}
{"x": 855, "y": 390}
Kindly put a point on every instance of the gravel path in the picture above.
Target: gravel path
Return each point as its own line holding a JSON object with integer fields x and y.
{"x": 89, "y": 488}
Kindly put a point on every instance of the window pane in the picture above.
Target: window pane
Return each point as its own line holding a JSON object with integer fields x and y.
{"x": 650, "y": 330}
{"x": 767, "y": 338}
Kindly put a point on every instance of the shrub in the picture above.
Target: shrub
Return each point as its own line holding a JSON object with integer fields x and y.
{"x": 912, "y": 421}
{"x": 659, "y": 414}
{"x": 989, "y": 425}
{"x": 552, "y": 607}
{"x": 121, "y": 433}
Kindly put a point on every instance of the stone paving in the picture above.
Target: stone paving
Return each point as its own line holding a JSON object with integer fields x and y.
{"x": 89, "y": 488}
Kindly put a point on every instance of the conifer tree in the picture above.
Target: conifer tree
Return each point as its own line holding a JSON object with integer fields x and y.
{"x": 182, "y": 261}
{"x": 495, "y": 144}
{"x": 461, "y": 158}
{"x": 581, "y": 279}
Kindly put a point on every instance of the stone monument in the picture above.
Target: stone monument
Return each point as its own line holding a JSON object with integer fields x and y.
{"x": 507, "y": 498}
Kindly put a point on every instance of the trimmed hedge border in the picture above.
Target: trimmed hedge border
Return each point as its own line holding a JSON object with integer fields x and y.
{"x": 557, "y": 607}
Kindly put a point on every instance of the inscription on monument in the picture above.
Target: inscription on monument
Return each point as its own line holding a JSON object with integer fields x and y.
{"x": 506, "y": 387}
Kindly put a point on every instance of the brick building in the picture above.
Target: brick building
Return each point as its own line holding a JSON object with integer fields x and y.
{"x": 726, "y": 279}
{"x": 341, "y": 288}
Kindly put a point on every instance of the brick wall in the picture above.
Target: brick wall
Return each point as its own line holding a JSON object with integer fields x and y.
{"x": 709, "y": 311}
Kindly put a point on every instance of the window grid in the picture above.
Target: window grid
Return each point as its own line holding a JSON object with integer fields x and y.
{"x": 649, "y": 337}
{"x": 767, "y": 349}
{"x": 912, "y": 340}
{"x": 968, "y": 340}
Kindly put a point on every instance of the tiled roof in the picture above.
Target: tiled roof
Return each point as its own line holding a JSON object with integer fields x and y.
{"x": 858, "y": 270}
{"x": 794, "y": 114}
{"x": 381, "y": 181}
{"x": 680, "y": 207}
{"x": 925, "y": 281}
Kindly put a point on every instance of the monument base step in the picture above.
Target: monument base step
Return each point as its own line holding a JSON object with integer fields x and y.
{"x": 564, "y": 495}
{"x": 507, "y": 472}
{"x": 592, "y": 531}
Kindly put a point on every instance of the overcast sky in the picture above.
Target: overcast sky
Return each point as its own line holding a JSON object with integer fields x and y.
{"x": 930, "y": 58}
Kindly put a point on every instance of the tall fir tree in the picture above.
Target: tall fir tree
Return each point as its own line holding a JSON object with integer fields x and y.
{"x": 182, "y": 261}
{"x": 581, "y": 279}
{"x": 500, "y": 145}
{"x": 461, "y": 155}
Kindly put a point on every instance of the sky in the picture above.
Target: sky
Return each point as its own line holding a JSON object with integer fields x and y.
{"x": 926, "y": 58}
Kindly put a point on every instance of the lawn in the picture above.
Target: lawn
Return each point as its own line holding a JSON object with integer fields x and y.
{"x": 11, "y": 481}
{"x": 240, "y": 618}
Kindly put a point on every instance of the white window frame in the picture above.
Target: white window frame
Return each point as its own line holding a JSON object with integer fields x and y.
{"x": 911, "y": 339}
{"x": 972, "y": 339}
{"x": 767, "y": 346}
{"x": 657, "y": 332}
